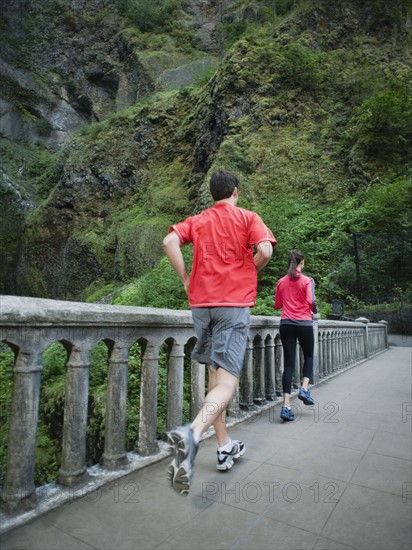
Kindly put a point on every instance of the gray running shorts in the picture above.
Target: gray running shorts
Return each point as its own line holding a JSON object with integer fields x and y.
{"x": 221, "y": 336}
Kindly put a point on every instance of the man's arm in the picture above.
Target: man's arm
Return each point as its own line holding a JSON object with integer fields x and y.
{"x": 171, "y": 246}
{"x": 264, "y": 251}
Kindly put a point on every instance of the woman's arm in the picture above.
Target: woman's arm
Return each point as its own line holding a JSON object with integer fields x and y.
{"x": 278, "y": 297}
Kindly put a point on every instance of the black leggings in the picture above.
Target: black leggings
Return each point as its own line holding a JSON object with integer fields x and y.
{"x": 289, "y": 334}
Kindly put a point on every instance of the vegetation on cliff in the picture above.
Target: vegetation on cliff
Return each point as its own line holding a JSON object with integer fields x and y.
{"x": 309, "y": 105}
{"x": 308, "y": 101}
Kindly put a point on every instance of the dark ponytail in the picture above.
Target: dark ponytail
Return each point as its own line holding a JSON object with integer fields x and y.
{"x": 295, "y": 257}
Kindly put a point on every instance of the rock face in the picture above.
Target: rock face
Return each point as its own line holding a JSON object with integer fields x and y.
{"x": 13, "y": 211}
{"x": 63, "y": 64}
{"x": 206, "y": 15}
{"x": 67, "y": 63}
{"x": 119, "y": 185}
{"x": 74, "y": 66}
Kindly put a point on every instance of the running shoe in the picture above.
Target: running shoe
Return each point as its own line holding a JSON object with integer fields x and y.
{"x": 226, "y": 459}
{"x": 180, "y": 471}
{"x": 286, "y": 414}
{"x": 304, "y": 395}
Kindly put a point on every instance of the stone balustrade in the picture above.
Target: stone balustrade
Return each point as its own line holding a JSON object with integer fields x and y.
{"x": 29, "y": 325}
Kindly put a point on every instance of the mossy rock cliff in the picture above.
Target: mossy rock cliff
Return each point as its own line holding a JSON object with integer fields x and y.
{"x": 296, "y": 107}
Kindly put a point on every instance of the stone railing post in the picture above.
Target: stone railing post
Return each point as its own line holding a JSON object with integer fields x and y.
{"x": 334, "y": 342}
{"x": 116, "y": 402}
{"x": 73, "y": 466}
{"x": 259, "y": 372}
{"x": 175, "y": 377}
{"x": 385, "y": 337}
{"x": 365, "y": 335}
{"x": 338, "y": 349}
{"x": 278, "y": 365}
{"x": 247, "y": 377}
{"x": 345, "y": 348}
{"x": 198, "y": 381}
{"x": 147, "y": 440}
{"x": 321, "y": 359}
{"x": 270, "y": 384}
{"x": 316, "y": 359}
{"x": 234, "y": 404}
{"x": 297, "y": 371}
{"x": 19, "y": 488}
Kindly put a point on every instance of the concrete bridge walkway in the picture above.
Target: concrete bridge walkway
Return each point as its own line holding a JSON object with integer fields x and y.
{"x": 338, "y": 477}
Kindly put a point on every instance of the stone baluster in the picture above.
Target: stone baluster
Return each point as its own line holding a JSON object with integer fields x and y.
{"x": 115, "y": 454}
{"x": 334, "y": 340}
{"x": 330, "y": 354}
{"x": 278, "y": 365}
{"x": 339, "y": 346}
{"x": 147, "y": 441}
{"x": 323, "y": 353}
{"x": 346, "y": 348}
{"x": 198, "y": 379}
{"x": 360, "y": 345}
{"x": 316, "y": 362}
{"x": 259, "y": 372}
{"x": 339, "y": 342}
{"x": 320, "y": 351}
{"x": 233, "y": 408}
{"x": 175, "y": 378}
{"x": 365, "y": 335}
{"x": 270, "y": 389}
{"x": 297, "y": 371}
{"x": 247, "y": 377}
{"x": 19, "y": 488}
{"x": 73, "y": 467}
{"x": 354, "y": 346}
{"x": 384, "y": 342}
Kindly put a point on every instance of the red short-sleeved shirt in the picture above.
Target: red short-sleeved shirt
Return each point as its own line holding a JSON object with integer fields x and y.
{"x": 223, "y": 273}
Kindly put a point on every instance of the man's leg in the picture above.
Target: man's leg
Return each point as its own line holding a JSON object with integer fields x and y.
{"x": 222, "y": 334}
{"x": 222, "y": 386}
{"x": 186, "y": 440}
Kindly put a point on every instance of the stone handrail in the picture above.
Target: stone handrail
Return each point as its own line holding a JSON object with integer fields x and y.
{"x": 30, "y": 325}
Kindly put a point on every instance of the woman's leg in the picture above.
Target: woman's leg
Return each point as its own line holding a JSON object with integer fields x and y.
{"x": 307, "y": 343}
{"x": 288, "y": 338}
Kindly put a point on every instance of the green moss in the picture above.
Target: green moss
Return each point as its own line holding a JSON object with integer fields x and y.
{"x": 101, "y": 290}
{"x": 287, "y": 110}
{"x": 32, "y": 283}
{"x": 31, "y": 168}
{"x": 165, "y": 192}
{"x": 23, "y": 98}
{"x": 160, "y": 287}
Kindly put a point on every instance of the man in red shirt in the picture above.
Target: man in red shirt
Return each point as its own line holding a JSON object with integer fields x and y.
{"x": 230, "y": 246}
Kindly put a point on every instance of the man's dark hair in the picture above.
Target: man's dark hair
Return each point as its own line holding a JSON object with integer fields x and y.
{"x": 222, "y": 184}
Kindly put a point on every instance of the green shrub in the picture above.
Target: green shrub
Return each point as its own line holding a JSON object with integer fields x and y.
{"x": 382, "y": 127}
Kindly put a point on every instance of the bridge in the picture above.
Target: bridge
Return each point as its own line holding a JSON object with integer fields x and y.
{"x": 338, "y": 477}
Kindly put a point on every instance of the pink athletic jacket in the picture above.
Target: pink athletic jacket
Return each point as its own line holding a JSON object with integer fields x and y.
{"x": 296, "y": 297}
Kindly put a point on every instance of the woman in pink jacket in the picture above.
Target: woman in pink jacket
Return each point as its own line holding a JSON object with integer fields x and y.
{"x": 295, "y": 295}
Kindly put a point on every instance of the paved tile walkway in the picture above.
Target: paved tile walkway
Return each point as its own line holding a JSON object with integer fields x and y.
{"x": 338, "y": 477}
